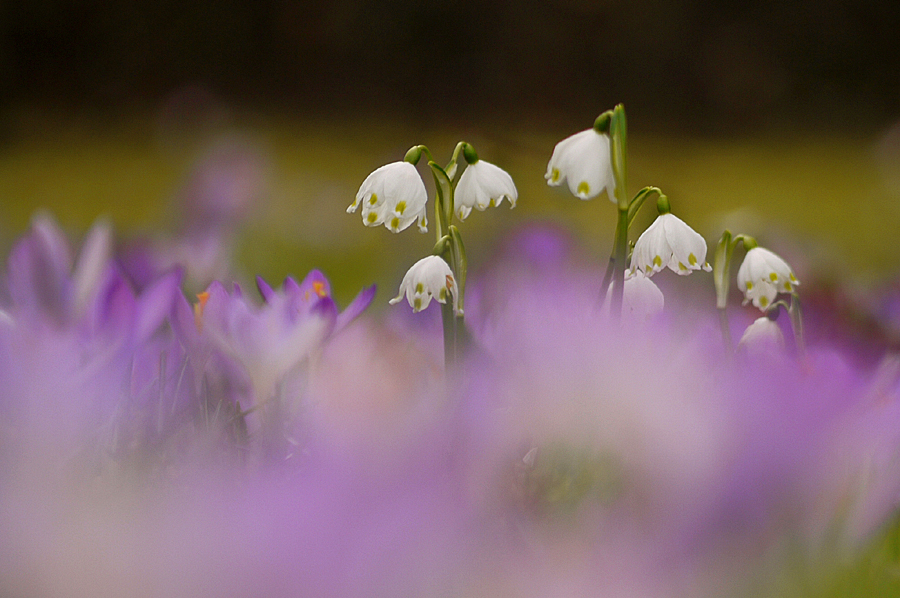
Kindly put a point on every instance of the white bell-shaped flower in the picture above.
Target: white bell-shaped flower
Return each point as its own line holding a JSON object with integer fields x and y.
{"x": 762, "y": 337}
{"x": 428, "y": 278}
{"x": 762, "y": 276}
{"x": 481, "y": 185}
{"x": 583, "y": 160}
{"x": 393, "y": 195}
{"x": 641, "y": 298}
{"x": 669, "y": 242}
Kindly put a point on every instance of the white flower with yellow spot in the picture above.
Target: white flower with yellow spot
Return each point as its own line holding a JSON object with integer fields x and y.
{"x": 429, "y": 278}
{"x": 669, "y": 242}
{"x": 481, "y": 185}
{"x": 393, "y": 195}
{"x": 762, "y": 276}
{"x": 583, "y": 160}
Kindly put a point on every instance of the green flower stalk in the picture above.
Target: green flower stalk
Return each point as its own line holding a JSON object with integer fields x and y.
{"x": 619, "y": 146}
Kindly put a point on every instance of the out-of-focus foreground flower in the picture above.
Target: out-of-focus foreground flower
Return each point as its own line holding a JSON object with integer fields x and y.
{"x": 152, "y": 444}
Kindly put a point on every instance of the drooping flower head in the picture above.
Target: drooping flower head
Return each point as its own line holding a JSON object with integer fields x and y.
{"x": 669, "y": 242}
{"x": 762, "y": 337}
{"x": 482, "y": 184}
{"x": 428, "y": 278}
{"x": 393, "y": 195}
{"x": 583, "y": 160}
{"x": 762, "y": 276}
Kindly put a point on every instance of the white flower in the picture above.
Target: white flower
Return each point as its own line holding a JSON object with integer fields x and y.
{"x": 481, "y": 185}
{"x": 584, "y": 161}
{"x": 762, "y": 276}
{"x": 669, "y": 242}
{"x": 641, "y": 298}
{"x": 428, "y": 278}
{"x": 393, "y": 195}
{"x": 762, "y": 337}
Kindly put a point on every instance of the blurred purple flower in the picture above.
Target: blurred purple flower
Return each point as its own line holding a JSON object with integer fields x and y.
{"x": 573, "y": 456}
{"x": 271, "y": 340}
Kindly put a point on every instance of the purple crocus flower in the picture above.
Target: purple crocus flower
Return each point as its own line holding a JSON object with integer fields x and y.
{"x": 71, "y": 335}
{"x": 271, "y": 340}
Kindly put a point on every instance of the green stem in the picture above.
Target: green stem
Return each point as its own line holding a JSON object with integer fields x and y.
{"x": 797, "y": 325}
{"x": 607, "y": 278}
{"x": 722, "y": 281}
{"x": 638, "y": 200}
{"x": 726, "y": 331}
{"x": 621, "y": 254}
{"x": 459, "y": 265}
{"x": 634, "y": 207}
{"x": 618, "y": 154}
{"x": 443, "y": 204}
{"x": 448, "y": 318}
{"x": 452, "y": 166}
{"x": 451, "y": 249}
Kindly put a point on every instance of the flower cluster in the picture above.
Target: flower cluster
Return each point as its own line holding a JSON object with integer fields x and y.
{"x": 393, "y": 191}
{"x": 81, "y": 327}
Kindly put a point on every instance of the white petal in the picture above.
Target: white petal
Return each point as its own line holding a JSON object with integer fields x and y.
{"x": 393, "y": 195}
{"x": 687, "y": 245}
{"x": 762, "y": 337}
{"x": 482, "y": 184}
{"x": 651, "y": 251}
{"x": 762, "y": 276}
{"x": 424, "y": 281}
{"x": 583, "y": 160}
{"x": 641, "y": 296}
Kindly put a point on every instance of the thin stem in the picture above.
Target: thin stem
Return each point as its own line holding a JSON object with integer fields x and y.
{"x": 448, "y": 319}
{"x": 726, "y": 331}
{"x": 427, "y": 152}
{"x": 638, "y": 200}
{"x": 607, "y": 278}
{"x": 618, "y": 154}
{"x": 460, "y": 264}
{"x": 452, "y": 166}
{"x": 443, "y": 205}
{"x": 621, "y": 251}
{"x": 797, "y": 324}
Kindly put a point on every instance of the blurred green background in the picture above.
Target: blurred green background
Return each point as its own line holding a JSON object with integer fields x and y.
{"x": 774, "y": 119}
